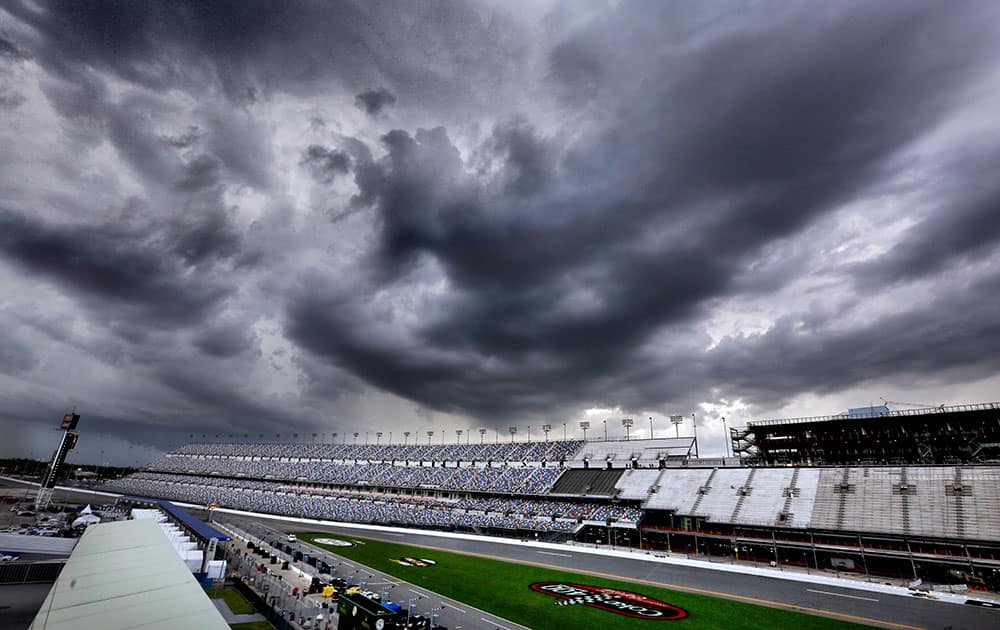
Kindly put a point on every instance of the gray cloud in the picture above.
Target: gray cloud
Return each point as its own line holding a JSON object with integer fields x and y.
{"x": 641, "y": 206}
{"x": 373, "y": 102}
{"x": 326, "y": 164}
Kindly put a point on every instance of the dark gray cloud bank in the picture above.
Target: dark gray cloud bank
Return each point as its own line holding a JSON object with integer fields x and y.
{"x": 258, "y": 218}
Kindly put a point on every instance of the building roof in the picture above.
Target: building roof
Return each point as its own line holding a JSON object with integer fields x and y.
{"x": 126, "y": 575}
{"x": 202, "y": 530}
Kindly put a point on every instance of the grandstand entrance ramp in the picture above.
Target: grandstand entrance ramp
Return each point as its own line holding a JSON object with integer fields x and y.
{"x": 126, "y": 575}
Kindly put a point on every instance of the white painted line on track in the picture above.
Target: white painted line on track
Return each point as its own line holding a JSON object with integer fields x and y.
{"x": 552, "y": 553}
{"x": 867, "y": 599}
{"x": 494, "y": 623}
{"x": 464, "y": 612}
{"x": 419, "y": 593}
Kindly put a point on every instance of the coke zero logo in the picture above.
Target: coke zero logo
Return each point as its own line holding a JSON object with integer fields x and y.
{"x": 611, "y": 599}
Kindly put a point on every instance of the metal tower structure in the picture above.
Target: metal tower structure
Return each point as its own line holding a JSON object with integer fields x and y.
{"x": 68, "y": 442}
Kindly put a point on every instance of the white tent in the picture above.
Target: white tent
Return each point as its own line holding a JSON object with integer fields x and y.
{"x": 86, "y": 519}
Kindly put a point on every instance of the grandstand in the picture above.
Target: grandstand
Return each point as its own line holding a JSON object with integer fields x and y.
{"x": 960, "y": 434}
{"x": 880, "y": 519}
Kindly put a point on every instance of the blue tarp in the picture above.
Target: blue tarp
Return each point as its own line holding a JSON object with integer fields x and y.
{"x": 196, "y": 526}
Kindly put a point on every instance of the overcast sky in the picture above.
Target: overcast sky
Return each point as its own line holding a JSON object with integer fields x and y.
{"x": 260, "y": 218}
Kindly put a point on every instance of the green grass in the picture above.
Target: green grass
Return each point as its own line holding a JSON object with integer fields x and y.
{"x": 236, "y": 602}
{"x": 252, "y": 625}
{"x": 502, "y": 588}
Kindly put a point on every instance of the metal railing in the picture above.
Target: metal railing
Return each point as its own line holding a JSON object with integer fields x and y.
{"x": 40, "y": 572}
{"x": 891, "y": 414}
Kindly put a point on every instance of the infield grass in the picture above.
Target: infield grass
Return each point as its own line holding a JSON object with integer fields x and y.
{"x": 502, "y": 588}
{"x": 236, "y": 602}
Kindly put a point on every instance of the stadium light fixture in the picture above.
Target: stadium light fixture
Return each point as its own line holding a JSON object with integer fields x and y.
{"x": 406, "y": 437}
{"x": 529, "y": 433}
{"x": 651, "y": 427}
{"x": 627, "y": 423}
{"x": 458, "y": 436}
{"x": 482, "y": 435}
{"x": 564, "y": 431}
{"x": 545, "y": 429}
{"x": 677, "y": 421}
{"x": 355, "y": 438}
{"x": 430, "y": 434}
{"x": 378, "y": 438}
{"x": 512, "y": 430}
{"x": 605, "y": 429}
{"x": 585, "y": 425}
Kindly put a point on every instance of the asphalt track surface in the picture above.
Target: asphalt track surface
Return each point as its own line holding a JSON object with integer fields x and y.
{"x": 855, "y": 605}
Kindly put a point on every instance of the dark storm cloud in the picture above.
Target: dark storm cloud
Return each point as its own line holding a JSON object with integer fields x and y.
{"x": 373, "y": 102}
{"x": 749, "y": 138}
{"x": 440, "y": 53}
{"x": 108, "y": 263}
{"x": 962, "y": 225}
{"x": 565, "y": 212}
{"x": 953, "y": 336}
{"x": 326, "y": 164}
{"x": 9, "y": 51}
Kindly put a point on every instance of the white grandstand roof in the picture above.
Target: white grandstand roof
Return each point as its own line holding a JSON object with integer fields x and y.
{"x": 126, "y": 575}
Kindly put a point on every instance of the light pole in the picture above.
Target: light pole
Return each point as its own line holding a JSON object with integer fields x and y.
{"x": 355, "y": 438}
{"x": 605, "y": 429}
{"x": 545, "y": 429}
{"x": 585, "y": 425}
{"x": 482, "y": 435}
{"x": 406, "y": 437}
{"x": 564, "y": 431}
{"x": 378, "y": 438}
{"x": 677, "y": 421}
{"x": 627, "y": 423}
{"x": 430, "y": 434}
{"x": 694, "y": 422}
{"x": 651, "y": 427}
{"x": 458, "y": 436}
{"x": 725, "y": 435}
{"x": 512, "y": 430}
{"x": 529, "y": 433}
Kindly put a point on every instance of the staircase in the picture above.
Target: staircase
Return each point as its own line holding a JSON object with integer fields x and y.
{"x": 958, "y": 492}
{"x": 702, "y": 491}
{"x": 844, "y": 489}
{"x": 791, "y": 491}
{"x": 744, "y": 493}
{"x": 904, "y": 498}
{"x": 654, "y": 488}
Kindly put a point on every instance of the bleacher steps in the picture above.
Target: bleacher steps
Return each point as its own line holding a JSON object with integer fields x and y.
{"x": 703, "y": 490}
{"x": 744, "y": 491}
{"x": 791, "y": 492}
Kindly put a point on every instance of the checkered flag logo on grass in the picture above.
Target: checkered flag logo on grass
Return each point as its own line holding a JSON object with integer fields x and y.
{"x": 586, "y": 599}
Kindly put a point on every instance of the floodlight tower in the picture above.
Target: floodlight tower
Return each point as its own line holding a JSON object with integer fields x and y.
{"x": 512, "y": 430}
{"x": 430, "y": 434}
{"x": 482, "y": 435}
{"x": 458, "y": 436}
{"x": 68, "y": 442}
{"x": 627, "y": 423}
{"x": 677, "y": 421}
{"x": 585, "y": 425}
{"x": 406, "y": 437}
{"x": 545, "y": 429}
